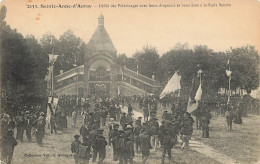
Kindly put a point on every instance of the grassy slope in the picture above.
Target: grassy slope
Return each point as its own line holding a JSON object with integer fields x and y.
{"x": 242, "y": 143}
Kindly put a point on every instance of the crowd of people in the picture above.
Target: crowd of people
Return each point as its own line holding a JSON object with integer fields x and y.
{"x": 126, "y": 135}
{"x": 31, "y": 120}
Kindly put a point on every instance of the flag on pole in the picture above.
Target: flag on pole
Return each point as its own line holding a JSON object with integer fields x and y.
{"x": 52, "y": 58}
{"x": 172, "y": 85}
{"x": 228, "y": 73}
{"x": 50, "y": 100}
{"x": 49, "y": 109}
{"x": 198, "y": 93}
{"x": 55, "y": 102}
{"x": 191, "y": 105}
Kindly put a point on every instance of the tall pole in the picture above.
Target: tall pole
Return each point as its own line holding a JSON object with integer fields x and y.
{"x": 229, "y": 84}
{"x": 52, "y": 81}
{"x": 77, "y": 90}
{"x": 200, "y": 72}
{"x": 200, "y": 77}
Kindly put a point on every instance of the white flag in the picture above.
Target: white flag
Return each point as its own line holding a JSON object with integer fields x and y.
{"x": 52, "y": 58}
{"x": 228, "y": 73}
{"x": 55, "y": 103}
{"x": 198, "y": 93}
{"x": 50, "y": 100}
{"x": 173, "y": 85}
{"x": 192, "y": 106}
{"x": 48, "y": 114}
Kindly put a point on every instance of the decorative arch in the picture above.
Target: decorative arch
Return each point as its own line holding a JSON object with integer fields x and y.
{"x": 100, "y": 63}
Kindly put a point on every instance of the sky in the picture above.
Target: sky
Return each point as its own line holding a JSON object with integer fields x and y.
{"x": 132, "y": 28}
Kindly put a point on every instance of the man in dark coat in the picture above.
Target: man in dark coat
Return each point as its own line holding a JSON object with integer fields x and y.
{"x": 123, "y": 121}
{"x": 4, "y": 125}
{"x": 64, "y": 119}
{"x": 120, "y": 146}
{"x": 129, "y": 150}
{"x": 103, "y": 114}
{"x": 84, "y": 131}
{"x": 147, "y": 129}
{"x": 137, "y": 132}
{"x": 93, "y": 135}
{"x": 112, "y": 111}
{"x": 208, "y": 116}
{"x": 101, "y": 146}
{"x": 205, "y": 121}
{"x": 130, "y": 110}
{"x": 53, "y": 123}
{"x": 8, "y": 143}
{"x": 118, "y": 112}
{"x": 154, "y": 133}
{"x": 40, "y": 125}
{"x": 145, "y": 113}
{"x": 113, "y": 139}
{"x": 186, "y": 132}
{"x": 20, "y": 126}
{"x": 74, "y": 148}
{"x": 97, "y": 117}
{"x": 28, "y": 118}
{"x": 198, "y": 115}
{"x": 229, "y": 119}
{"x": 145, "y": 145}
{"x": 167, "y": 137}
{"x": 83, "y": 151}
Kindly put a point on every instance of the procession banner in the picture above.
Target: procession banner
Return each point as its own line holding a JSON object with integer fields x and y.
{"x": 173, "y": 85}
{"x": 55, "y": 103}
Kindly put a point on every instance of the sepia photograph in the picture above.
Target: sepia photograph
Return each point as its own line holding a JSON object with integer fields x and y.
{"x": 130, "y": 81}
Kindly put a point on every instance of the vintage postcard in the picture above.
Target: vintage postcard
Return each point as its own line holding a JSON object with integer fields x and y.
{"x": 130, "y": 81}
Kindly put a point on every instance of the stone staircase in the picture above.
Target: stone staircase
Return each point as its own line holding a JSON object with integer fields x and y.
{"x": 131, "y": 83}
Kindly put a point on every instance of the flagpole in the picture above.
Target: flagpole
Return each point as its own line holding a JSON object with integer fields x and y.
{"x": 200, "y": 77}
{"x": 200, "y": 72}
{"x": 52, "y": 67}
{"x": 229, "y": 84}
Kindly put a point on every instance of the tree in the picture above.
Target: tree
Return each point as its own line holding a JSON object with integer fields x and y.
{"x": 148, "y": 61}
{"x": 244, "y": 63}
{"x": 130, "y": 63}
{"x": 23, "y": 66}
{"x": 71, "y": 50}
{"x": 39, "y": 64}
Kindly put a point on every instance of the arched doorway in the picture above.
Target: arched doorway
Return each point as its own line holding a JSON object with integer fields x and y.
{"x": 99, "y": 79}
